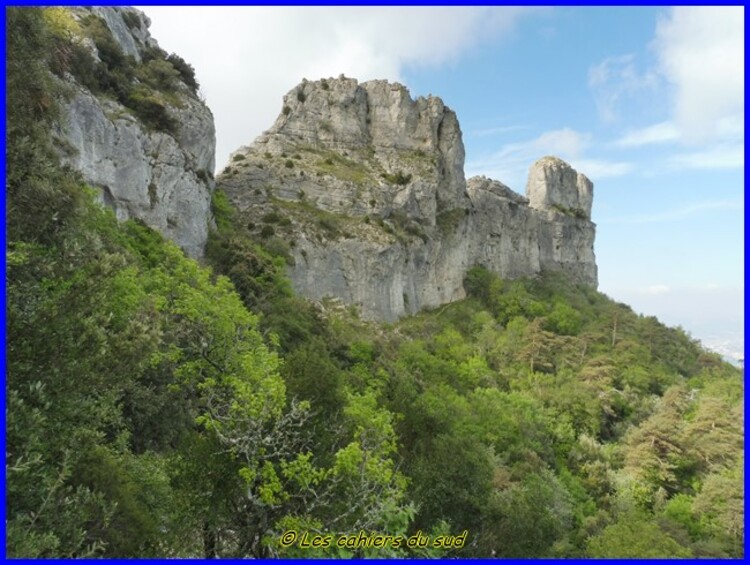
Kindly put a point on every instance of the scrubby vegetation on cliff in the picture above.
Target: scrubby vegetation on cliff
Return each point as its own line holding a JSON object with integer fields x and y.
{"x": 545, "y": 418}
{"x": 156, "y": 407}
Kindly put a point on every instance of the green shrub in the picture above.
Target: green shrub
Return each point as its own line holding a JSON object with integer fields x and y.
{"x": 267, "y": 231}
{"x": 151, "y": 52}
{"x": 222, "y": 210}
{"x": 109, "y": 50}
{"x": 239, "y": 157}
{"x": 573, "y": 212}
{"x": 289, "y": 164}
{"x": 160, "y": 75}
{"x": 271, "y": 218}
{"x": 83, "y": 67}
{"x": 415, "y": 231}
{"x": 324, "y": 84}
{"x": 399, "y": 178}
{"x": 151, "y": 110}
{"x": 330, "y": 226}
{"x": 279, "y": 248}
{"x": 186, "y": 71}
{"x": 301, "y": 96}
{"x": 131, "y": 20}
{"x": 286, "y": 110}
{"x": 477, "y": 283}
{"x": 448, "y": 220}
{"x": 153, "y": 197}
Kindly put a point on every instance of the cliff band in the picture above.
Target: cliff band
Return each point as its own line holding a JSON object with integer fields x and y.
{"x": 135, "y": 126}
{"x": 362, "y": 188}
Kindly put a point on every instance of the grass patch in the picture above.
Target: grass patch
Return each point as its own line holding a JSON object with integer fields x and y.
{"x": 340, "y": 167}
{"x": 399, "y": 178}
{"x": 571, "y": 212}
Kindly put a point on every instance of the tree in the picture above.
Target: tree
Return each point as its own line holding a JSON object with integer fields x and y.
{"x": 635, "y": 535}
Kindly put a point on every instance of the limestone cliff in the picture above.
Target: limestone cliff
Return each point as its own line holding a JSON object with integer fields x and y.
{"x": 135, "y": 127}
{"x": 362, "y": 189}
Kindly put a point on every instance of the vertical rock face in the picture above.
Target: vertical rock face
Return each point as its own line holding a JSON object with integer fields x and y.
{"x": 362, "y": 189}
{"x": 161, "y": 175}
{"x": 553, "y": 184}
{"x": 563, "y": 197}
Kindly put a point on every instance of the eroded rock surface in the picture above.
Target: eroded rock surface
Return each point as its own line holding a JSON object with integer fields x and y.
{"x": 164, "y": 178}
{"x": 362, "y": 188}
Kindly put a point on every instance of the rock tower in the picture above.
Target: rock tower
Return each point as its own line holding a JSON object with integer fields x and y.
{"x": 363, "y": 189}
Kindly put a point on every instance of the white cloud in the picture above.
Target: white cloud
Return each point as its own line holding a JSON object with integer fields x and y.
{"x": 614, "y": 79}
{"x": 658, "y": 133}
{"x": 598, "y": 168}
{"x": 701, "y": 53}
{"x": 497, "y": 130}
{"x": 656, "y": 289}
{"x": 719, "y": 156}
{"x": 700, "y": 73}
{"x": 511, "y": 162}
{"x": 247, "y": 58}
{"x": 677, "y": 213}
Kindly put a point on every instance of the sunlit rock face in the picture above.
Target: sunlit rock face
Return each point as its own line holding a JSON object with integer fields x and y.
{"x": 362, "y": 188}
{"x": 163, "y": 178}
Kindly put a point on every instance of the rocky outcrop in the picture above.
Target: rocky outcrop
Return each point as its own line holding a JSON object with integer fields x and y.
{"x": 161, "y": 175}
{"x": 553, "y": 184}
{"x": 362, "y": 189}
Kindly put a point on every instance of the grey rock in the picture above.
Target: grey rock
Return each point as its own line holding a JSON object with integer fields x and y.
{"x": 553, "y": 184}
{"x": 378, "y": 213}
{"x": 131, "y": 39}
{"x": 163, "y": 179}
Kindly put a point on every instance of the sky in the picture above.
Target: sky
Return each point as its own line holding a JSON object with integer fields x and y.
{"x": 647, "y": 102}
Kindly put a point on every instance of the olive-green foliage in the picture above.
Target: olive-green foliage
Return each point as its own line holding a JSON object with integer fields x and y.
{"x": 520, "y": 406}
{"x": 131, "y": 20}
{"x": 399, "y": 177}
{"x": 160, "y": 74}
{"x": 634, "y": 535}
{"x": 341, "y": 166}
{"x": 147, "y": 88}
{"x": 151, "y": 109}
{"x": 186, "y": 71}
{"x": 146, "y": 409}
{"x": 448, "y": 220}
{"x": 574, "y": 212}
